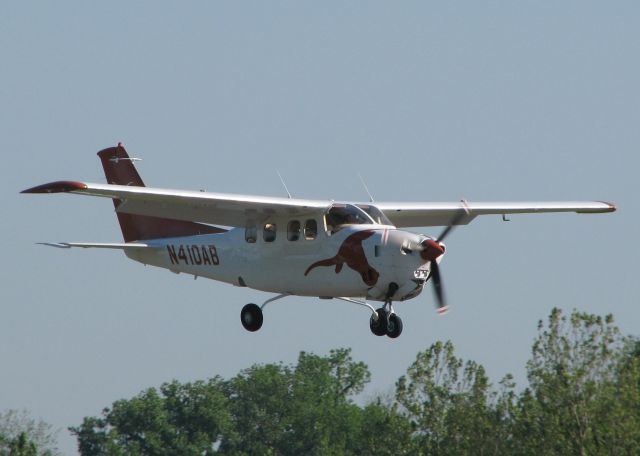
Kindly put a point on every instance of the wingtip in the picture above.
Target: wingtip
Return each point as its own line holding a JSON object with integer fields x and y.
{"x": 59, "y": 245}
{"x": 612, "y": 206}
{"x": 57, "y": 187}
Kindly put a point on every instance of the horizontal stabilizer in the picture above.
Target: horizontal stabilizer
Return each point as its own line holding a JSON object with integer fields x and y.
{"x": 97, "y": 245}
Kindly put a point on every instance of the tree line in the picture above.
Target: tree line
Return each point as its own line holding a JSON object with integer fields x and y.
{"x": 582, "y": 398}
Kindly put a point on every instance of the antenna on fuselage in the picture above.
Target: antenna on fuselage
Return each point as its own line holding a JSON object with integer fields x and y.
{"x": 366, "y": 189}
{"x": 283, "y": 184}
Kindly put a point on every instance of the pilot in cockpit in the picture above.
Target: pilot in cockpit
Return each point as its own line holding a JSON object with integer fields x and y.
{"x": 339, "y": 217}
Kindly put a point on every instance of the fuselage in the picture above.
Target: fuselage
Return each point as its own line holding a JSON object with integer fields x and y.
{"x": 355, "y": 261}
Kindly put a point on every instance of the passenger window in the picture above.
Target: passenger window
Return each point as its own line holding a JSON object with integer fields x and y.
{"x": 293, "y": 230}
{"x": 250, "y": 234}
{"x": 310, "y": 229}
{"x": 269, "y": 232}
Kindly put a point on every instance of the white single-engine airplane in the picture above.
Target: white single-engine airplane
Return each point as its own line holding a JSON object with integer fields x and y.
{"x": 292, "y": 247}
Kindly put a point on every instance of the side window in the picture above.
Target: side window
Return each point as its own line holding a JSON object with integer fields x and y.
{"x": 269, "y": 232}
{"x": 293, "y": 230}
{"x": 250, "y": 234}
{"x": 310, "y": 229}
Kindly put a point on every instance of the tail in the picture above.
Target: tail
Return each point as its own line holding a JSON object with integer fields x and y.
{"x": 119, "y": 170}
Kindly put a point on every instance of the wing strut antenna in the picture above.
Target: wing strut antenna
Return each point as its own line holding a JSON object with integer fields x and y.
{"x": 283, "y": 184}
{"x": 366, "y": 189}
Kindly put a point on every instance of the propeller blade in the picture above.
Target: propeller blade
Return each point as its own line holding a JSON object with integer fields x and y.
{"x": 433, "y": 249}
{"x": 454, "y": 221}
{"x": 441, "y": 304}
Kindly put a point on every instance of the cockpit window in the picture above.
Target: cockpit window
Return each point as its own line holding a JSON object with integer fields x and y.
{"x": 341, "y": 215}
{"x": 376, "y": 214}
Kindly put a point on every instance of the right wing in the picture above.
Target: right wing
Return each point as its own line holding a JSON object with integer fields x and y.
{"x": 443, "y": 214}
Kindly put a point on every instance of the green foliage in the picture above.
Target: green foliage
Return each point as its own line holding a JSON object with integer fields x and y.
{"x": 176, "y": 420}
{"x": 306, "y": 409}
{"x": 583, "y": 398}
{"x": 21, "y": 435}
{"x": 577, "y": 395}
{"x": 447, "y": 400}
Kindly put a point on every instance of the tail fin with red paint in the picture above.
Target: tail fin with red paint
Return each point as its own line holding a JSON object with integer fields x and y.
{"x": 119, "y": 170}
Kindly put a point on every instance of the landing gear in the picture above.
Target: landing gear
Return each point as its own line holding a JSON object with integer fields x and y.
{"x": 251, "y": 314}
{"x": 251, "y": 317}
{"x": 385, "y": 323}
{"x": 394, "y": 326}
{"x": 384, "y": 320}
{"x": 378, "y": 322}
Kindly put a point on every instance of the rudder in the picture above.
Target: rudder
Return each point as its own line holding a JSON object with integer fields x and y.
{"x": 119, "y": 170}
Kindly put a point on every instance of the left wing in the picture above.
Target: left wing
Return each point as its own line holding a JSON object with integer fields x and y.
{"x": 215, "y": 208}
{"x": 99, "y": 245}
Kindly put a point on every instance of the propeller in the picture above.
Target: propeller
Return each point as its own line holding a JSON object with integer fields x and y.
{"x": 432, "y": 249}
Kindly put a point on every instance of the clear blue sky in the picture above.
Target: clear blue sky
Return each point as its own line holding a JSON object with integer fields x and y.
{"x": 429, "y": 101}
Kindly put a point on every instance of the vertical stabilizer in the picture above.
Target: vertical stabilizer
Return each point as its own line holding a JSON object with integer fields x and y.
{"x": 119, "y": 170}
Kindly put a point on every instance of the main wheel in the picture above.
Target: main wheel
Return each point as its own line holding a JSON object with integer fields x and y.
{"x": 379, "y": 326}
{"x": 395, "y": 326}
{"x": 251, "y": 317}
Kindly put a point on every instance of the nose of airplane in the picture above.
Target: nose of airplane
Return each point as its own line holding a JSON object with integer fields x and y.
{"x": 431, "y": 250}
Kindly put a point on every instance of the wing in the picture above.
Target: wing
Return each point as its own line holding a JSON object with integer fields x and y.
{"x": 442, "y": 214}
{"x": 99, "y": 245}
{"x": 215, "y": 208}
{"x": 238, "y": 210}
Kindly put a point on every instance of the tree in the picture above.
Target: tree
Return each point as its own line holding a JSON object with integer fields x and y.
{"x": 22, "y": 435}
{"x": 178, "y": 419}
{"x": 572, "y": 405}
{"x": 448, "y": 402}
{"x": 583, "y": 398}
{"x": 622, "y": 403}
{"x": 266, "y": 409}
{"x": 384, "y": 431}
{"x": 302, "y": 409}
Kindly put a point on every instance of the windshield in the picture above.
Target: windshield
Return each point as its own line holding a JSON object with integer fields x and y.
{"x": 376, "y": 214}
{"x": 341, "y": 215}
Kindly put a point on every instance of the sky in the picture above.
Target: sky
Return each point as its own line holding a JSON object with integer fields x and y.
{"x": 428, "y": 101}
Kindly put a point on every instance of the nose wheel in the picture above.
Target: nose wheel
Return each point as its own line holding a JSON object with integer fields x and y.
{"x": 385, "y": 321}
{"x": 378, "y": 322}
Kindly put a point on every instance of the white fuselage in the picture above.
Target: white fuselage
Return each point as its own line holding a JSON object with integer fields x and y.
{"x": 356, "y": 261}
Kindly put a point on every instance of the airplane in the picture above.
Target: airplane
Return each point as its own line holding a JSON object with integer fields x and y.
{"x": 355, "y": 252}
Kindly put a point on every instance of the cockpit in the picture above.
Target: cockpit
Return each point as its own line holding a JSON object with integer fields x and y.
{"x": 340, "y": 215}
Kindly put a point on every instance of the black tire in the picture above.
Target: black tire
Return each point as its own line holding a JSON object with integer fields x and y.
{"x": 251, "y": 317}
{"x": 395, "y": 326}
{"x": 379, "y": 326}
